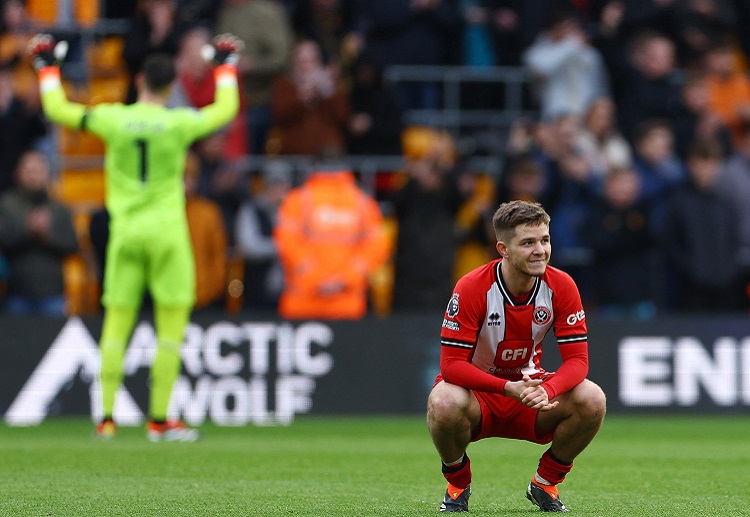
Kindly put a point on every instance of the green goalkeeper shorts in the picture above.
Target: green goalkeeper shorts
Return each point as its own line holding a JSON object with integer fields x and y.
{"x": 161, "y": 263}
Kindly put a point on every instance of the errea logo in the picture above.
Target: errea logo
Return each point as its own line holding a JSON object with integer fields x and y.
{"x": 493, "y": 320}
{"x": 576, "y": 317}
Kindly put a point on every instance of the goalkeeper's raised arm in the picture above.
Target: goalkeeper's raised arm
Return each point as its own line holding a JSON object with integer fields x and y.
{"x": 47, "y": 54}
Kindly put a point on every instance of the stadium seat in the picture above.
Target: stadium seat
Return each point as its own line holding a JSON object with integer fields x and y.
{"x": 104, "y": 57}
{"x": 81, "y": 188}
{"x": 45, "y": 12}
{"x": 108, "y": 89}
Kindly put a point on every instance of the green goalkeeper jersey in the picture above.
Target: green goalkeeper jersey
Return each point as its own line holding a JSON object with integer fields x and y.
{"x": 146, "y": 146}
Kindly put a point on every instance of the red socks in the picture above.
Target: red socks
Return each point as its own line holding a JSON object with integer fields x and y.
{"x": 553, "y": 469}
{"x": 459, "y": 476}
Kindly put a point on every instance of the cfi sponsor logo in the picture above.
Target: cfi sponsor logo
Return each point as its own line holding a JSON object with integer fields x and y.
{"x": 452, "y": 309}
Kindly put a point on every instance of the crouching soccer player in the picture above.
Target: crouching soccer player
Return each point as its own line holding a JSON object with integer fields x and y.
{"x": 149, "y": 244}
{"x": 491, "y": 381}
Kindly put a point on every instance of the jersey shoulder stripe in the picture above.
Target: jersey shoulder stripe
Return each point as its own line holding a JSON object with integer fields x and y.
{"x": 572, "y": 339}
{"x": 456, "y": 343}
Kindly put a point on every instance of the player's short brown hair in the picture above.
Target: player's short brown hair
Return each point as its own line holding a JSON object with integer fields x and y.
{"x": 514, "y": 213}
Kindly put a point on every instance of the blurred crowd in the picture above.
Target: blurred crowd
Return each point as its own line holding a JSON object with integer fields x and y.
{"x": 639, "y": 148}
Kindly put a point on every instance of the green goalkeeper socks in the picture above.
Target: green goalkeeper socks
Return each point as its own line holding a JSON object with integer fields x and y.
{"x": 116, "y": 329}
{"x": 170, "y": 327}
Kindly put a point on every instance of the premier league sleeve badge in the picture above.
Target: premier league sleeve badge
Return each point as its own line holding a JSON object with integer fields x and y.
{"x": 452, "y": 309}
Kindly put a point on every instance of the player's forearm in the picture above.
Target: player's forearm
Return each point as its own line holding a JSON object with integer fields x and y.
{"x": 227, "y": 100}
{"x": 572, "y": 371}
{"x": 464, "y": 374}
{"x": 55, "y": 104}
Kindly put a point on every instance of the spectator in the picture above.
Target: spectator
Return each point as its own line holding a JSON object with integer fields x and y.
{"x": 153, "y": 29}
{"x": 491, "y": 35}
{"x": 191, "y": 12}
{"x": 17, "y": 31}
{"x": 659, "y": 168}
{"x": 528, "y": 141}
{"x": 650, "y": 89}
{"x": 623, "y": 23}
{"x": 425, "y": 260}
{"x": 494, "y": 32}
{"x": 411, "y": 32}
{"x": 695, "y": 120}
{"x": 733, "y": 184}
{"x": 701, "y": 237}
{"x": 21, "y": 127}
{"x": 328, "y": 22}
{"x": 570, "y": 73}
{"x": 571, "y": 182}
{"x": 310, "y": 108}
{"x": 209, "y": 240}
{"x": 220, "y": 180}
{"x": 522, "y": 181}
{"x": 195, "y": 81}
{"x": 701, "y": 23}
{"x": 256, "y": 220}
{"x": 478, "y": 48}
{"x": 618, "y": 233}
{"x": 267, "y": 33}
{"x": 36, "y": 233}
{"x": 330, "y": 237}
{"x": 375, "y": 124}
{"x": 600, "y": 141}
{"x": 728, "y": 90}
{"x": 742, "y": 17}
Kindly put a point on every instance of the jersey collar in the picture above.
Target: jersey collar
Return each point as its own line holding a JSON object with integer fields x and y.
{"x": 509, "y": 298}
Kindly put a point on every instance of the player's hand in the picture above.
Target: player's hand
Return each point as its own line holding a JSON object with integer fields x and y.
{"x": 45, "y": 51}
{"x": 530, "y": 393}
{"x": 225, "y": 49}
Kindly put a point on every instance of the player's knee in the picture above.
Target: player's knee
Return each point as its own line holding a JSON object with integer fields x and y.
{"x": 590, "y": 401}
{"x": 447, "y": 404}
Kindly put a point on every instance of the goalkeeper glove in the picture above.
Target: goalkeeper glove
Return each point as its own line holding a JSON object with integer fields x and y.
{"x": 225, "y": 49}
{"x": 44, "y": 51}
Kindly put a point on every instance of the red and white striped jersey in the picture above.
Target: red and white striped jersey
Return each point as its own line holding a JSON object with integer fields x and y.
{"x": 504, "y": 333}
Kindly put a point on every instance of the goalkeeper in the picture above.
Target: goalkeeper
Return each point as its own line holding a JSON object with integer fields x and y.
{"x": 149, "y": 244}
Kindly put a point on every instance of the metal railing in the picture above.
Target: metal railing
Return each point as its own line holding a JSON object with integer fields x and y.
{"x": 452, "y": 80}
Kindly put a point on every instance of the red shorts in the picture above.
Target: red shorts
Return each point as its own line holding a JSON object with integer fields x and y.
{"x": 505, "y": 417}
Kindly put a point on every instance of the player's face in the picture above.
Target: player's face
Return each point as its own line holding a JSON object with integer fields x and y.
{"x": 529, "y": 250}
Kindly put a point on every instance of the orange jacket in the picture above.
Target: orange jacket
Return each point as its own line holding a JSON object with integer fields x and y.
{"x": 726, "y": 97}
{"x": 330, "y": 236}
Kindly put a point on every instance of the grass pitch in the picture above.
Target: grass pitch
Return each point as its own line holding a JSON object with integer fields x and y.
{"x": 637, "y": 466}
